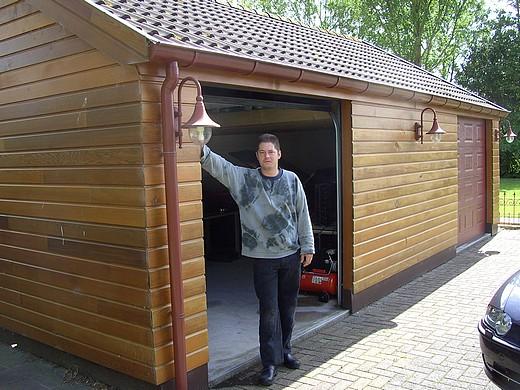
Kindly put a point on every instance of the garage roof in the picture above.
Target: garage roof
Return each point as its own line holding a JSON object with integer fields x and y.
{"x": 212, "y": 26}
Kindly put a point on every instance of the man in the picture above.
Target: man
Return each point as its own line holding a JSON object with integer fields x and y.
{"x": 277, "y": 235}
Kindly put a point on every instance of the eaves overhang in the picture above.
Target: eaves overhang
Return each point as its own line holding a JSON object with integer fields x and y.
{"x": 250, "y": 67}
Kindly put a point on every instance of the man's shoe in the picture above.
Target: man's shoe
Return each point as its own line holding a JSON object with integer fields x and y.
{"x": 267, "y": 375}
{"x": 290, "y": 361}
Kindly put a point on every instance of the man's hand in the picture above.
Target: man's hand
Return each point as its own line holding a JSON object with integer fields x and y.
{"x": 306, "y": 258}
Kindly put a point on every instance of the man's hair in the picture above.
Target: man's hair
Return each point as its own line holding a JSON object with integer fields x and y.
{"x": 269, "y": 138}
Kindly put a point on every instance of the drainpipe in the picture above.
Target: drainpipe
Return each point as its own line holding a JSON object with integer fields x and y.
{"x": 169, "y": 131}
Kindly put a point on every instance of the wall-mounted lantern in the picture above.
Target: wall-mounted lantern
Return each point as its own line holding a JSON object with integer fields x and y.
{"x": 436, "y": 132}
{"x": 200, "y": 125}
{"x": 509, "y": 135}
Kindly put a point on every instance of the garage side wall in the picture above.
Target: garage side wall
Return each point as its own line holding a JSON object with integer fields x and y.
{"x": 404, "y": 193}
{"x": 76, "y": 147}
{"x": 192, "y": 244}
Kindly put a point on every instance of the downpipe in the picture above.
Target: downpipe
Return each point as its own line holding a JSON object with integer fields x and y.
{"x": 170, "y": 132}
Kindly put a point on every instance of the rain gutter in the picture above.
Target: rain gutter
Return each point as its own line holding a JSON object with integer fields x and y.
{"x": 191, "y": 57}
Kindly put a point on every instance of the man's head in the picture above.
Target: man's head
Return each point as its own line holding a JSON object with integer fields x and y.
{"x": 268, "y": 153}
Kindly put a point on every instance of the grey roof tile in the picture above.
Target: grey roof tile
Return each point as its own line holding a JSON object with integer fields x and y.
{"x": 220, "y": 28}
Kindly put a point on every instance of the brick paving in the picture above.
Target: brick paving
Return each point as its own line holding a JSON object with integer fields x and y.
{"x": 422, "y": 336}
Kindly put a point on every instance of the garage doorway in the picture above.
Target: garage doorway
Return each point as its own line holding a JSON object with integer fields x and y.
{"x": 472, "y": 179}
{"x": 309, "y": 141}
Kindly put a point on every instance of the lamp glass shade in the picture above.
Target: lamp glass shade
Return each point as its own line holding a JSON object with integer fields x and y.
{"x": 510, "y": 136}
{"x": 436, "y": 132}
{"x": 200, "y": 135}
{"x": 509, "y": 139}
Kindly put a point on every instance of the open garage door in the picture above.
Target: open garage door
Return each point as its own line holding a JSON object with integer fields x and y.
{"x": 472, "y": 179}
{"x": 309, "y": 140}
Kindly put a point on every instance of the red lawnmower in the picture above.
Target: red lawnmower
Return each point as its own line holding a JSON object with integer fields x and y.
{"x": 322, "y": 281}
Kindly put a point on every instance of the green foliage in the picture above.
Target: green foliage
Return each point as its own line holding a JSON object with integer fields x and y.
{"x": 491, "y": 70}
{"x": 429, "y": 33}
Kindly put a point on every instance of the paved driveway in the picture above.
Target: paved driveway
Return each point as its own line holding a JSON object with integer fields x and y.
{"x": 422, "y": 336}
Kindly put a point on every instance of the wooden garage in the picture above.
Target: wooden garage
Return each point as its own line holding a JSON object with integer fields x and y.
{"x": 84, "y": 263}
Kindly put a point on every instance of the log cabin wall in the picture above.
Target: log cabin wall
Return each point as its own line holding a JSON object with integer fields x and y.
{"x": 83, "y": 263}
{"x": 404, "y": 192}
{"x": 192, "y": 244}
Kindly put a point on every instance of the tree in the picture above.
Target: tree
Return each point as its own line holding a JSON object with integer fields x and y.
{"x": 429, "y": 33}
{"x": 491, "y": 70}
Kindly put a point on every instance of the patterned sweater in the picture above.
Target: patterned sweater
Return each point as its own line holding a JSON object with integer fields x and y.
{"x": 273, "y": 210}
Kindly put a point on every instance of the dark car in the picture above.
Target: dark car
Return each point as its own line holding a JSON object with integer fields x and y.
{"x": 500, "y": 335}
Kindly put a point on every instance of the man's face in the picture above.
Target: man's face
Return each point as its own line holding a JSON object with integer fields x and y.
{"x": 268, "y": 156}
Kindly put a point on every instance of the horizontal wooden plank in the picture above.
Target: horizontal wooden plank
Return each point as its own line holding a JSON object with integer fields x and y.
{"x": 367, "y": 160}
{"x": 401, "y": 147}
{"x": 121, "y": 216}
{"x": 80, "y": 284}
{"x": 116, "y": 235}
{"x": 401, "y": 201}
{"x": 403, "y": 212}
{"x": 449, "y": 239}
{"x": 6, "y": 3}
{"x": 93, "y": 78}
{"x": 399, "y": 112}
{"x": 403, "y": 179}
{"x": 193, "y": 360}
{"x": 156, "y": 237}
{"x": 131, "y": 176}
{"x": 39, "y": 54}
{"x": 23, "y": 25}
{"x": 106, "y": 136}
{"x": 382, "y": 171}
{"x": 73, "y": 316}
{"x": 104, "y": 358}
{"x": 396, "y": 123}
{"x": 75, "y": 299}
{"x": 113, "y": 116}
{"x": 120, "y": 196}
{"x": 194, "y": 341}
{"x": 161, "y": 316}
{"x": 191, "y": 268}
{"x": 15, "y": 11}
{"x": 387, "y": 255}
{"x": 393, "y": 193}
{"x": 98, "y": 270}
{"x": 402, "y": 234}
{"x": 61, "y": 246}
{"x": 110, "y": 95}
{"x": 127, "y": 155}
{"x": 380, "y": 230}
{"x": 78, "y": 62}
{"x": 191, "y": 287}
{"x": 40, "y": 37}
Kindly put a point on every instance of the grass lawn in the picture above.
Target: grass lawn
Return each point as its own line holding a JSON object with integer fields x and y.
{"x": 510, "y": 206}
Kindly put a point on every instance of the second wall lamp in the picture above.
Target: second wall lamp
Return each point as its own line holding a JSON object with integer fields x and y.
{"x": 436, "y": 132}
{"x": 509, "y": 135}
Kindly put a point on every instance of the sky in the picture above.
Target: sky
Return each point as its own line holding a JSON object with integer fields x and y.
{"x": 499, "y": 4}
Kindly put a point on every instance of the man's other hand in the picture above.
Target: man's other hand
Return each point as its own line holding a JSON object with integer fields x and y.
{"x": 306, "y": 259}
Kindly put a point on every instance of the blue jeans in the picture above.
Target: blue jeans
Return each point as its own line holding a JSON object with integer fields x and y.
{"x": 277, "y": 282}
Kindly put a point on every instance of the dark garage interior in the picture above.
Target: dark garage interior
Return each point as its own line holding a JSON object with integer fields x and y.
{"x": 308, "y": 140}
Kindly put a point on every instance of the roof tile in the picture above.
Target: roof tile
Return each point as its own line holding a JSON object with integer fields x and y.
{"x": 234, "y": 31}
